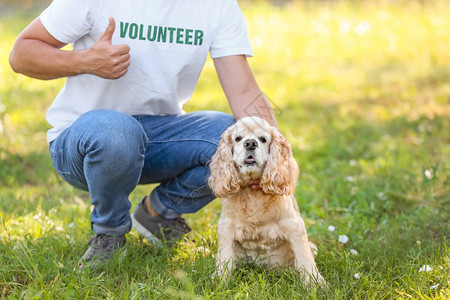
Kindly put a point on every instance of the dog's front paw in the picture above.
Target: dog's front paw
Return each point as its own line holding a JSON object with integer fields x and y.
{"x": 319, "y": 281}
{"x": 219, "y": 275}
{"x": 223, "y": 269}
{"x": 312, "y": 278}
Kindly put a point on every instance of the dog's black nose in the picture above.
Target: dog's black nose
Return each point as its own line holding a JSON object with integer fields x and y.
{"x": 250, "y": 144}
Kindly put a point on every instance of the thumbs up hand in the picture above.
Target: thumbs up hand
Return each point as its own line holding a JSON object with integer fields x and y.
{"x": 107, "y": 60}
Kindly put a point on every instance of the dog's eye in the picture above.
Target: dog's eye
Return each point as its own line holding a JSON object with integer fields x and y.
{"x": 238, "y": 138}
{"x": 262, "y": 139}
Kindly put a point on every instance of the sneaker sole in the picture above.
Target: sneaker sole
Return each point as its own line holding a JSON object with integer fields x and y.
{"x": 145, "y": 233}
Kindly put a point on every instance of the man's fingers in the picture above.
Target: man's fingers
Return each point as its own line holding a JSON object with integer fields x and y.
{"x": 109, "y": 31}
{"x": 123, "y": 72}
{"x": 125, "y": 58}
{"x": 122, "y": 49}
{"x": 123, "y": 54}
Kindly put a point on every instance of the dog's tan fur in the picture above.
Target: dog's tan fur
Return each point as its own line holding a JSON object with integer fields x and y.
{"x": 261, "y": 226}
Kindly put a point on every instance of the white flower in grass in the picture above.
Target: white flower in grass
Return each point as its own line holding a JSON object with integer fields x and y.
{"x": 353, "y": 251}
{"x": 433, "y": 287}
{"x": 331, "y": 228}
{"x": 357, "y": 276}
{"x": 343, "y": 239}
{"x": 429, "y": 173}
{"x": 59, "y": 228}
{"x": 349, "y": 178}
{"x": 362, "y": 28}
{"x": 380, "y": 195}
{"x": 425, "y": 268}
{"x": 352, "y": 163}
{"x": 344, "y": 26}
{"x": 71, "y": 225}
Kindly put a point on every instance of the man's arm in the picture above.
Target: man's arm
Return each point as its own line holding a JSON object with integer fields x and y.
{"x": 240, "y": 87}
{"x": 38, "y": 54}
{"x": 243, "y": 93}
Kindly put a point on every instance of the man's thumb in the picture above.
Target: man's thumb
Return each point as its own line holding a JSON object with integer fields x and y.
{"x": 109, "y": 31}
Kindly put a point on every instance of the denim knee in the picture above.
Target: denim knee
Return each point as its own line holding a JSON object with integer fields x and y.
{"x": 221, "y": 122}
{"x": 217, "y": 122}
{"x": 184, "y": 187}
{"x": 118, "y": 134}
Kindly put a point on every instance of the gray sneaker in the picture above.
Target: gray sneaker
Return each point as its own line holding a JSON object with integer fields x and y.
{"x": 158, "y": 229}
{"x": 101, "y": 248}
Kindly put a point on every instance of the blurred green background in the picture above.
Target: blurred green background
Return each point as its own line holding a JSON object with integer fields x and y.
{"x": 362, "y": 91}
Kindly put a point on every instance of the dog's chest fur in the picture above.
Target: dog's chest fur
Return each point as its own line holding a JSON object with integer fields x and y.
{"x": 257, "y": 234}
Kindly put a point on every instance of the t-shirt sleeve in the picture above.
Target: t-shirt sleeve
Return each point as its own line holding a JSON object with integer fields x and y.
{"x": 231, "y": 37}
{"x": 67, "y": 20}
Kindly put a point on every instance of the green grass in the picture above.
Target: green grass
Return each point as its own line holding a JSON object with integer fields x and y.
{"x": 361, "y": 90}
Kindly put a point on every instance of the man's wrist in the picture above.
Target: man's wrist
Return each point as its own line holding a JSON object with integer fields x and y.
{"x": 81, "y": 62}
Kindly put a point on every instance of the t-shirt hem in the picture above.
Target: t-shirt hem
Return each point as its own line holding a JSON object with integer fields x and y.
{"x": 52, "y": 135}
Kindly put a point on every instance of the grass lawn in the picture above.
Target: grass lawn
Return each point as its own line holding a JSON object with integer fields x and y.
{"x": 362, "y": 92}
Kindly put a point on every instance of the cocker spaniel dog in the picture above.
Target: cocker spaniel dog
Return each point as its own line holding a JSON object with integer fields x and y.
{"x": 261, "y": 226}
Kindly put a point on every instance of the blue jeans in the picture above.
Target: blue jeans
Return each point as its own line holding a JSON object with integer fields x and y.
{"x": 109, "y": 153}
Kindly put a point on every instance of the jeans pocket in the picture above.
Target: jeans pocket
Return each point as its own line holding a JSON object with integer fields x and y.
{"x": 58, "y": 161}
{"x": 61, "y": 163}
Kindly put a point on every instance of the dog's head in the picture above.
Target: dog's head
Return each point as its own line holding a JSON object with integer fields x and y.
{"x": 252, "y": 149}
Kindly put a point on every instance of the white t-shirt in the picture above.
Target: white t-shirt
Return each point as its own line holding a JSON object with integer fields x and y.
{"x": 169, "y": 41}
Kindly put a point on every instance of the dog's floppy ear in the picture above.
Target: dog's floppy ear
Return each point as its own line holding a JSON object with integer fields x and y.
{"x": 281, "y": 170}
{"x": 224, "y": 179}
